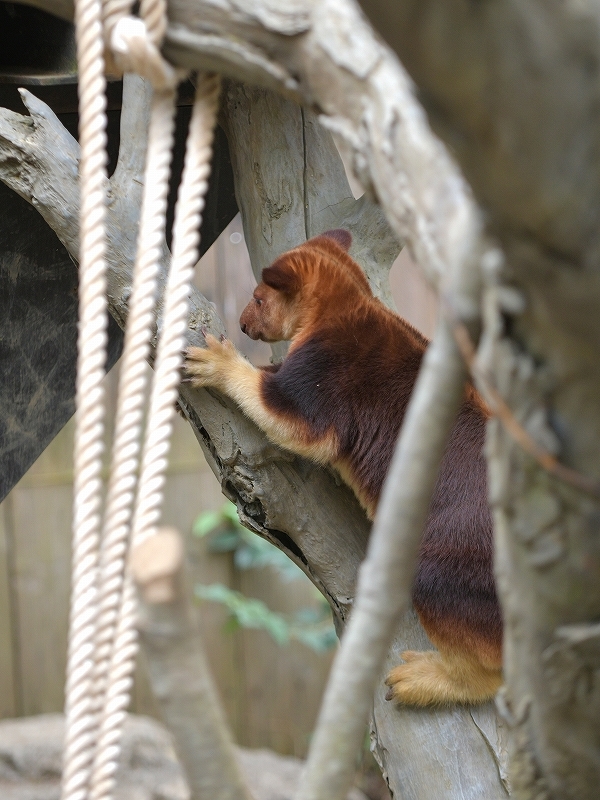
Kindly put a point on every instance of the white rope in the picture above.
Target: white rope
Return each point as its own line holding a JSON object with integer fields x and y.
{"x": 129, "y": 414}
{"x": 89, "y": 428}
{"x": 103, "y": 636}
{"x": 134, "y": 43}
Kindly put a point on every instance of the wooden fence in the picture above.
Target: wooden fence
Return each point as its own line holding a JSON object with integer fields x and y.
{"x": 271, "y": 694}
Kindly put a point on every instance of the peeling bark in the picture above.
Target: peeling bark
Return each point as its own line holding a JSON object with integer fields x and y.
{"x": 513, "y": 87}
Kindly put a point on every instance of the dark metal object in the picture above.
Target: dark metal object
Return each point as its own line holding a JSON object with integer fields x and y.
{"x": 38, "y": 337}
{"x": 35, "y": 47}
{"x": 38, "y": 279}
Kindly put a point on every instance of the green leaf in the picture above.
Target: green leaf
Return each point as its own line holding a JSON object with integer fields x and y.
{"x": 231, "y": 624}
{"x": 230, "y": 513}
{"x": 248, "y": 612}
{"x": 255, "y": 552}
{"x": 224, "y": 541}
{"x": 314, "y": 630}
{"x": 207, "y": 522}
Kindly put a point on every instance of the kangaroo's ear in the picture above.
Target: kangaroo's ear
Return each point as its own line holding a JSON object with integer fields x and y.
{"x": 341, "y": 236}
{"x": 282, "y": 276}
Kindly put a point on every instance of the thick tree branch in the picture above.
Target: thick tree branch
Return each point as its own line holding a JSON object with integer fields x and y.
{"x": 506, "y": 86}
{"x": 266, "y": 131}
{"x": 298, "y": 183}
{"x": 323, "y": 54}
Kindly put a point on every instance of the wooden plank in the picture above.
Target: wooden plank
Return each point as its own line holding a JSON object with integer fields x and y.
{"x": 42, "y": 523}
{"x": 283, "y": 685}
{"x": 8, "y": 695}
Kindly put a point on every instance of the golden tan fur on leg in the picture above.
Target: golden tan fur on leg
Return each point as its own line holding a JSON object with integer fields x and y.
{"x": 221, "y": 366}
{"x": 434, "y": 678}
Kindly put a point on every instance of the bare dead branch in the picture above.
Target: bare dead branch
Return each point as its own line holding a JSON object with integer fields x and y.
{"x": 179, "y": 673}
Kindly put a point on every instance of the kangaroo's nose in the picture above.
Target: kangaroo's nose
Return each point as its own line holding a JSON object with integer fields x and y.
{"x": 244, "y": 327}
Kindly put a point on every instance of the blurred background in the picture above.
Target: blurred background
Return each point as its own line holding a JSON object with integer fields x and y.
{"x": 267, "y": 634}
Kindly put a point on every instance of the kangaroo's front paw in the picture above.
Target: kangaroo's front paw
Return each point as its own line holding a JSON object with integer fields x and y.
{"x": 209, "y": 366}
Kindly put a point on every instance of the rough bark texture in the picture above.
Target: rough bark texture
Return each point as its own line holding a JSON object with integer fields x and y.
{"x": 178, "y": 670}
{"x": 293, "y": 160}
{"x": 514, "y": 88}
{"x": 447, "y": 754}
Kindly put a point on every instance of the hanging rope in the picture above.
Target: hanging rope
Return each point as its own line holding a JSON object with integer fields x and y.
{"x": 89, "y": 428}
{"x": 103, "y": 636}
{"x": 130, "y": 405}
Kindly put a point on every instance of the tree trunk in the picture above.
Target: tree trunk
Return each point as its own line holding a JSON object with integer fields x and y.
{"x": 513, "y": 87}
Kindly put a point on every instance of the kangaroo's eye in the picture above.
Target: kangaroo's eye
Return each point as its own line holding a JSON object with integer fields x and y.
{"x": 258, "y": 301}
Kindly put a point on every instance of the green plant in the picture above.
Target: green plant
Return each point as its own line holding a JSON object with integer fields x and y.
{"x": 311, "y": 625}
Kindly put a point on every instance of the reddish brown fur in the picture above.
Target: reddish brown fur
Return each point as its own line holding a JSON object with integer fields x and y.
{"x": 347, "y": 379}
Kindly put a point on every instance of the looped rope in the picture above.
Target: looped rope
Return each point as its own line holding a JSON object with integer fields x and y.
{"x": 190, "y": 202}
{"x": 126, "y": 450}
{"x": 133, "y": 43}
{"x": 134, "y": 51}
{"x": 89, "y": 399}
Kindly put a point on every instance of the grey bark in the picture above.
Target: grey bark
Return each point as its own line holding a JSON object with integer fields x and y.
{"x": 178, "y": 670}
{"x": 324, "y": 55}
{"x": 296, "y": 186}
{"x": 293, "y": 163}
{"x": 514, "y": 88}
{"x": 302, "y": 509}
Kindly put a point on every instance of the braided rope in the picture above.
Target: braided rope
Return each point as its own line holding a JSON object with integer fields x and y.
{"x": 168, "y": 362}
{"x": 129, "y": 414}
{"x": 92, "y": 337}
{"x": 112, "y": 12}
{"x": 154, "y": 14}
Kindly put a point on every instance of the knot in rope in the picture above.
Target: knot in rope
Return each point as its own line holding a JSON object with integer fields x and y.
{"x": 135, "y": 51}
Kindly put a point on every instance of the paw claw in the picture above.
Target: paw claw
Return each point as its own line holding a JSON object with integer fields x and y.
{"x": 210, "y": 365}
{"x": 211, "y": 340}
